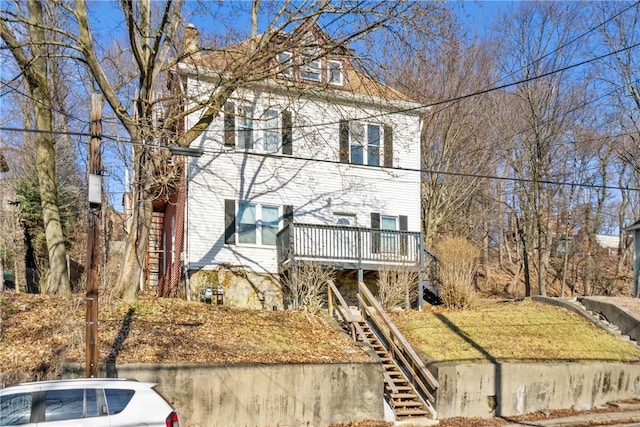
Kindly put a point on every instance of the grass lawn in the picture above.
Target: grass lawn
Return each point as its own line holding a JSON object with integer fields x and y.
{"x": 524, "y": 331}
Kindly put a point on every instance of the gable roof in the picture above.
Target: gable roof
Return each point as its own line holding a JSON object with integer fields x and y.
{"x": 257, "y": 56}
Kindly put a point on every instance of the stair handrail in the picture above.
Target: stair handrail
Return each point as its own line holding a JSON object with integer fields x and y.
{"x": 344, "y": 311}
{"x": 403, "y": 350}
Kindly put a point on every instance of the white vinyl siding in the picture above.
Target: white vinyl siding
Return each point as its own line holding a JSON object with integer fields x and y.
{"x": 312, "y": 179}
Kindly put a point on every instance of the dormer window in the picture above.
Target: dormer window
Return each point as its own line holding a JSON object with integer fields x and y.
{"x": 285, "y": 64}
{"x": 334, "y": 73}
{"x": 311, "y": 71}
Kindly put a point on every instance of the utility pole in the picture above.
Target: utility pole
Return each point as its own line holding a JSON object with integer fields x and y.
{"x": 95, "y": 203}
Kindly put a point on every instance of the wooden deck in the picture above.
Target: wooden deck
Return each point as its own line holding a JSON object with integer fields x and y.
{"x": 342, "y": 247}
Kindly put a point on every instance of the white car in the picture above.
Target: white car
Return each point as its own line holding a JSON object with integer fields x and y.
{"x": 90, "y": 402}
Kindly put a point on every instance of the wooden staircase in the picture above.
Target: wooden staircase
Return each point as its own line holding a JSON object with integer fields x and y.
{"x": 398, "y": 391}
{"x": 408, "y": 385}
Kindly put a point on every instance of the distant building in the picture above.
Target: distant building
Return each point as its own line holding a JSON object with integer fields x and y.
{"x": 609, "y": 243}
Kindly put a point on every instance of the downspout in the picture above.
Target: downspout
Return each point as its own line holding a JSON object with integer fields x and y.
{"x": 185, "y": 234}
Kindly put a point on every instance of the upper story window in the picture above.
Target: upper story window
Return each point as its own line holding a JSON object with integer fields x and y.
{"x": 334, "y": 73}
{"x": 285, "y": 64}
{"x": 365, "y": 143}
{"x": 271, "y": 138}
{"x": 269, "y": 132}
{"x": 245, "y": 127}
{"x": 305, "y": 67}
{"x": 310, "y": 70}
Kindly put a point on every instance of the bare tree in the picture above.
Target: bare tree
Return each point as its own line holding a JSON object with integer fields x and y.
{"x": 436, "y": 65}
{"x": 536, "y": 42}
{"x": 33, "y": 60}
{"x": 620, "y": 23}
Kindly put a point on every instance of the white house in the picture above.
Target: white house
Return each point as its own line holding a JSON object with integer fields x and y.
{"x": 306, "y": 165}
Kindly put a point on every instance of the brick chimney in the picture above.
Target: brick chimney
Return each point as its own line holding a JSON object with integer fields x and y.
{"x": 191, "y": 40}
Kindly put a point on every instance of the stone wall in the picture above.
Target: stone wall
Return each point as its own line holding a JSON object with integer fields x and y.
{"x": 242, "y": 288}
{"x": 264, "y": 395}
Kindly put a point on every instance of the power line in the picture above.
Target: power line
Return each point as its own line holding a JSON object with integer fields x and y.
{"x": 50, "y": 132}
{"x": 590, "y": 30}
{"x": 422, "y": 170}
{"x": 432, "y": 104}
{"x": 19, "y": 92}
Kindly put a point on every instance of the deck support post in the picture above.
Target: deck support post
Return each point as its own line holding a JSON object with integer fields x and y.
{"x": 420, "y": 273}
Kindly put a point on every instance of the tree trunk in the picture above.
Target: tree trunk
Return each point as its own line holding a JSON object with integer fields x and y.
{"x": 136, "y": 244}
{"x": 35, "y": 69}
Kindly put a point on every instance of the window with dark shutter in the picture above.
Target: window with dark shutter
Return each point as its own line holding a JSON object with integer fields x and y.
{"x": 287, "y": 137}
{"x": 287, "y": 215}
{"x": 375, "y": 237}
{"x": 388, "y": 146}
{"x": 404, "y": 242}
{"x": 344, "y": 141}
{"x": 229, "y": 124}
{"x": 230, "y": 222}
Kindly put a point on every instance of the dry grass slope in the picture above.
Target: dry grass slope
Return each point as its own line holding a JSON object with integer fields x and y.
{"x": 38, "y": 332}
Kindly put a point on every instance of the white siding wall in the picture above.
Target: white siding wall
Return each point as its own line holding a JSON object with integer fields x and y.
{"x": 312, "y": 180}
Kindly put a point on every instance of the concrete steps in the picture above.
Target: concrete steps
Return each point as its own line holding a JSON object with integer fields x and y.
{"x": 575, "y": 305}
{"x": 602, "y": 321}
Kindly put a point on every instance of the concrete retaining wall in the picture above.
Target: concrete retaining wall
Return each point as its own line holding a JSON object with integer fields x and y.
{"x": 264, "y": 395}
{"x": 487, "y": 390}
{"x": 624, "y": 319}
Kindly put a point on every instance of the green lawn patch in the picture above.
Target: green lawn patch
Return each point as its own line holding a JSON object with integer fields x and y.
{"x": 524, "y": 331}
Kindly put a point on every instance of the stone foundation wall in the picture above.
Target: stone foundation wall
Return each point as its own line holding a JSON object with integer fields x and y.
{"x": 242, "y": 288}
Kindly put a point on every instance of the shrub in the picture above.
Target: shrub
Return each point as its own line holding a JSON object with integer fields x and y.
{"x": 458, "y": 264}
{"x": 397, "y": 285}
{"x": 310, "y": 290}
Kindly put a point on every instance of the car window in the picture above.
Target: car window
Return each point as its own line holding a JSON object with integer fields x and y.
{"x": 15, "y": 409}
{"x": 70, "y": 404}
{"x": 117, "y": 399}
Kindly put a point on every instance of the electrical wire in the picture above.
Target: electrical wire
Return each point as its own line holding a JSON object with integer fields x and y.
{"x": 411, "y": 109}
{"x": 421, "y": 170}
{"x": 19, "y": 92}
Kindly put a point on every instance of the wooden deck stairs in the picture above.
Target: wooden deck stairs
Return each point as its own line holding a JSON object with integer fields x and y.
{"x": 398, "y": 391}
{"x": 408, "y": 386}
